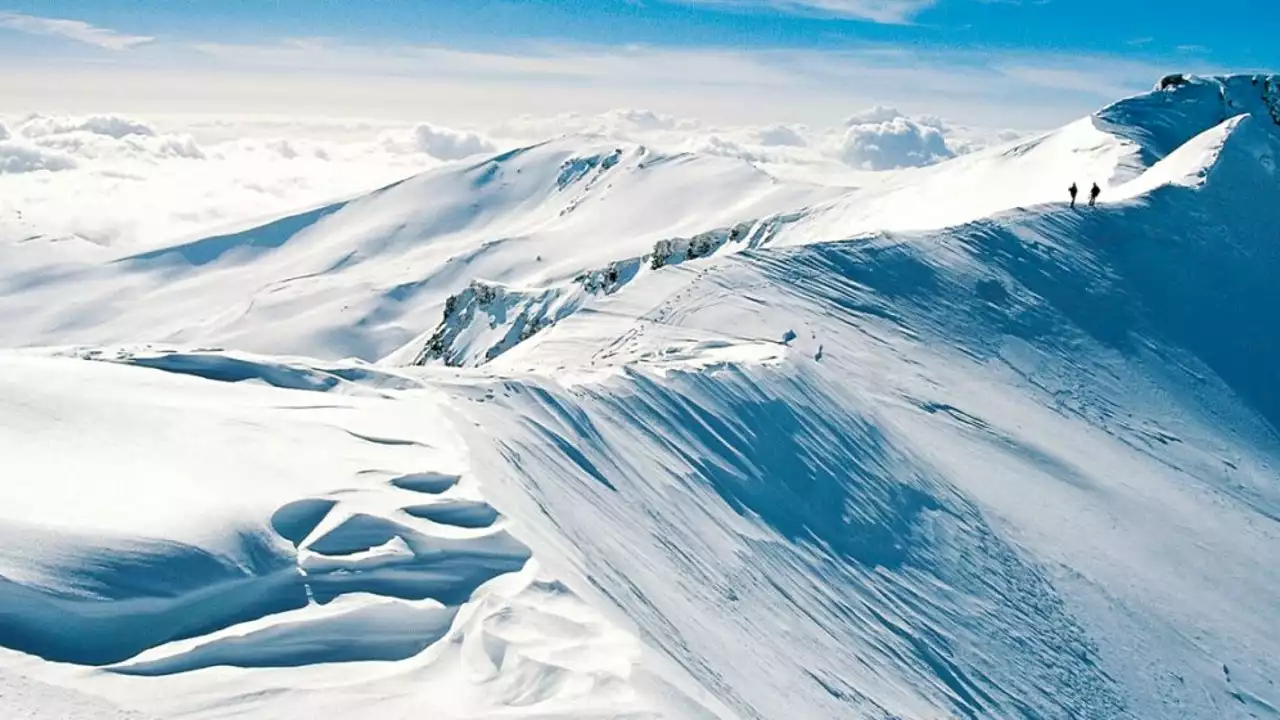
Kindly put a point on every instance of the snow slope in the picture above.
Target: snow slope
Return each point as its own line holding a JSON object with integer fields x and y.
{"x": 371, "y": 277}
{"x": 186, "y": 534}
{"x": 362, "y": 278}
{"x": 938, "y": 447}
{"x": 1023, "y": 468}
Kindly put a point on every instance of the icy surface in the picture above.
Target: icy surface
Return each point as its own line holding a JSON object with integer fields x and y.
{"x": 615, "y": 434}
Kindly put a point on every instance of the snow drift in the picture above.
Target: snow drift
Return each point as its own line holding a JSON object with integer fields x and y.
{"x": 667, "y": 437}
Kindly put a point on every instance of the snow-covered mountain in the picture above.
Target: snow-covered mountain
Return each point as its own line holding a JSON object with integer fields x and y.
{"x": 590, "y": 430}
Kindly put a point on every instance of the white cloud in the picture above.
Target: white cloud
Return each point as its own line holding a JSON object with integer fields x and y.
{"x": 441, "y": 143}
{"x": 292, "y": 149}
{"x": 4, "y": 132}
{"x": 1067, "y": 79}
{"x": 105, "y": 137}
{"x": 471, "y": 88}
{"x": 884, "y": 139}
{"x": 642, "y": 120}
{"x": 875, "y": 114}
{"x": 113, "y": 126}
{"x": 268, "y": 149}
{"x": 128, "y": 181}
{"x": 77, "y": 30}
{"x": 724, "y": 147}
{"x": 18, "y": 157}
{"x": 157, "y": 186}
{"x": 447, "y": 144}
{"x": 881, "y": 11}
{"x": 781, "y": 136}
{"x": 619, "y": 124}
{"x": 880, "y": 138}
{"x": 125, "y": 179}
{"x": 299, "y": 131}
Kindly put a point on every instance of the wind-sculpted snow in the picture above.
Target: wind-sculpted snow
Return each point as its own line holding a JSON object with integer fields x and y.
{"x": 1162, "y": 121}
{"x": 102, "y": 598}
{"x": 668, "y": 438}
{"x": 124, "y": 597}
{"x": 866, "y": 584}
{"x": 354, "y": 377}
{"x": 206, "y": 251}
{"x": 1075, "y": 407}
{"x": 168, "y": 519}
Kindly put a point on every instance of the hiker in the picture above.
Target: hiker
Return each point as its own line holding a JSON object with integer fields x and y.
{"x": 1093, "y": 194}
{"x": 1073, "y": 190}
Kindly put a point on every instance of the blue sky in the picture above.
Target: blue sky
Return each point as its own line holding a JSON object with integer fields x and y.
{"x": 1235, "y": 31}
{"x": 1034, "y": 60}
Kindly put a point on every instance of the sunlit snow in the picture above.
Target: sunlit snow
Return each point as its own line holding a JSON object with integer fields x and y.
{"x": 595, "y": 429}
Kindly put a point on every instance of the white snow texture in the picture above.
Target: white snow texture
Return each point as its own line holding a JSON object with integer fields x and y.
{"x": 595, "y": 429}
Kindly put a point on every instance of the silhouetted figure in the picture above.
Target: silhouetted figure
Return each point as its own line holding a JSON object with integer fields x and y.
{"x": 1093, "y": 194}
{"x": 1073, "y": 190}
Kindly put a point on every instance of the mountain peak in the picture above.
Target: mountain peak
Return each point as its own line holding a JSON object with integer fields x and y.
{"x": 1182, "y": 106}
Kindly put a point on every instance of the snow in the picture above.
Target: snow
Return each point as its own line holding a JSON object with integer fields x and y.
{"x": 590, "y": 429}
{"x": 220, "y": 535}
{"x": 1068, "y": 444}
{"x": 365, "y": 277}
{"x": 22, "y": 698}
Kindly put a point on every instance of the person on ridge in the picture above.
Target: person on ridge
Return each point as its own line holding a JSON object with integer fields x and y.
{"x": 1073, "y": 190}
{"x": 1093, "y": 194}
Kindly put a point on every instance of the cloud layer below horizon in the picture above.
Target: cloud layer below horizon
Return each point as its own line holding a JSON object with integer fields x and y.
{"x": 140, "y": 174}
{"x": 119, "y": 179}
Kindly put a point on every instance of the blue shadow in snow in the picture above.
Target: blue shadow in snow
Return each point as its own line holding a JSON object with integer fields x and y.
{"x": 841, "y": 486}
{"x": 385, "y": 632}
{"x": 207, "y": 250}
{"x": 123, "y": 600}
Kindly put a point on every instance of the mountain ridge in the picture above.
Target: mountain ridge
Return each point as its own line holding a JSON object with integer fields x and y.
{"x": 421, "y": 228}
{"x": 761, "y": 460}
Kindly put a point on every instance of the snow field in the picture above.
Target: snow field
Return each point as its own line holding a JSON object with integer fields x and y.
{"x": 935, "y": 447}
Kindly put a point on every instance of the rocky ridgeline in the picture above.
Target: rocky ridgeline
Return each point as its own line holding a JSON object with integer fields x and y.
{"x": 487, "y": 319}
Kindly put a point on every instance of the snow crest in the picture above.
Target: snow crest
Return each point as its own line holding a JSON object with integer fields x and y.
{"x": 689, "y": 441}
